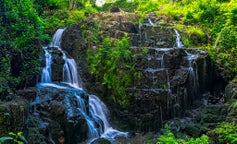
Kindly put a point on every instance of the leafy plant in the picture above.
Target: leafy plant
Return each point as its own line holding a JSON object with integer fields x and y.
{"x": 112, "y": 64}
{"x": 169, "y": 138}
{"x": 225, "y": 133}
{"x": 17, "y": 138}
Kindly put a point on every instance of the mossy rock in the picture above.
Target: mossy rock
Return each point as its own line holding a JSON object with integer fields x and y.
{"x": 4, "y": 120}
{"x": 12, "y": 116}
{"x": 213, "y": 113}
{"x": 192, "y": 130}
{"x": 213, "y": 137}
{"x": 231, "y": 90}
{"x": 232, "y": 112}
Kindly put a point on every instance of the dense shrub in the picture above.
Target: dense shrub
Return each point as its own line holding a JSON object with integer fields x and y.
{"x": 169, "y": 138}
{"x": 112, "y": 64}
{"x": 21, "y": 34}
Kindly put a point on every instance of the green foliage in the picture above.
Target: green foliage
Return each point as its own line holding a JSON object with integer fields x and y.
{"x": 192, "y": 36}
{"x": 205, "y": 23}
{"x": 123, "y": 4}
{"x": 21, "y": 35}
{"x": 112, "y": 64}
{"x": 169, "y": 138}
{"x": 66, "y": 14}
{"x": 148, "y": 6}
{"x": 226, "y": 49}
{"x": 216, "y": 20}
{"x": 17, "y": 138}
{"x": 227, "y": 133}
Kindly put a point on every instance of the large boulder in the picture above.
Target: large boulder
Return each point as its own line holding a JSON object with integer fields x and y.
{"x": 56, "y": 117}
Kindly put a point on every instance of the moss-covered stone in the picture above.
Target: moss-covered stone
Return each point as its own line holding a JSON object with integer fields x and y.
{"x": 231, "y": 90}
{"x": 213, "y": 114}
{"x": 12, "y": 116}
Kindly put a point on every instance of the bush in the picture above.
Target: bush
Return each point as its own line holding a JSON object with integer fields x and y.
{"x": 169, "y": 138}
{"x": 227, "y": 133}
{"x": 112, "y": 65}
{"x": 226, "y": 49}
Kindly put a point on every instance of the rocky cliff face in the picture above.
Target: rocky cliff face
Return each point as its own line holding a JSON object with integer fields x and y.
{"x": 172, "y": 78}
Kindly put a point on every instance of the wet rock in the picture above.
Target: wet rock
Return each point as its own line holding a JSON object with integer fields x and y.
{"x": 56, "y": 116}
{"x": 169, "y": 86}
{"x": 27, "y": 93}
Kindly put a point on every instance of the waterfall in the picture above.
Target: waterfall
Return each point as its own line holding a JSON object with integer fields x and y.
{"x": 178, "y": 43}
{"x": 46, "y": 71}
{"x": 193, "y": 76}
{"x": 70, "y": 75}
{"x": 150, "y": 22}
{"x": 99, "y": 109}
{"x": 98, "y": 112}
{"x": 56, "y": 41}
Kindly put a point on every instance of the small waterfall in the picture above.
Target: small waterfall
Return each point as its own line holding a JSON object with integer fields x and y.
{"x": 98, "y": 112}
{"x": 99, "y": 109}
{"x": 162, "y": 66}
{"x": 178, "y": 43}
{"x": 150, "y": 22}
{"x": 56, "y": 41}
{"x": 70, "y": 75}
{"x": 93, "y": 132}
{"x": 154, "y": 71}
{"x": 46, "y": 71}
{"x": 193, "y": 73}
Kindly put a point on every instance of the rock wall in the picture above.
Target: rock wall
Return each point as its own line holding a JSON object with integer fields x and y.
{"x": 172, "y": 78}
{"x": 168, "y": 86}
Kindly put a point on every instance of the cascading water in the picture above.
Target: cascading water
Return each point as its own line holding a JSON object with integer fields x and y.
{"x": 98, "y": 112}
{"x": 98, "y": 109}
{"x": 150, "y": 22}
{"x": 178, "y": 43}
{"x": 46, "y": 71}
{"x": 193, "y": 73}
{"x": 70, "y": 75}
